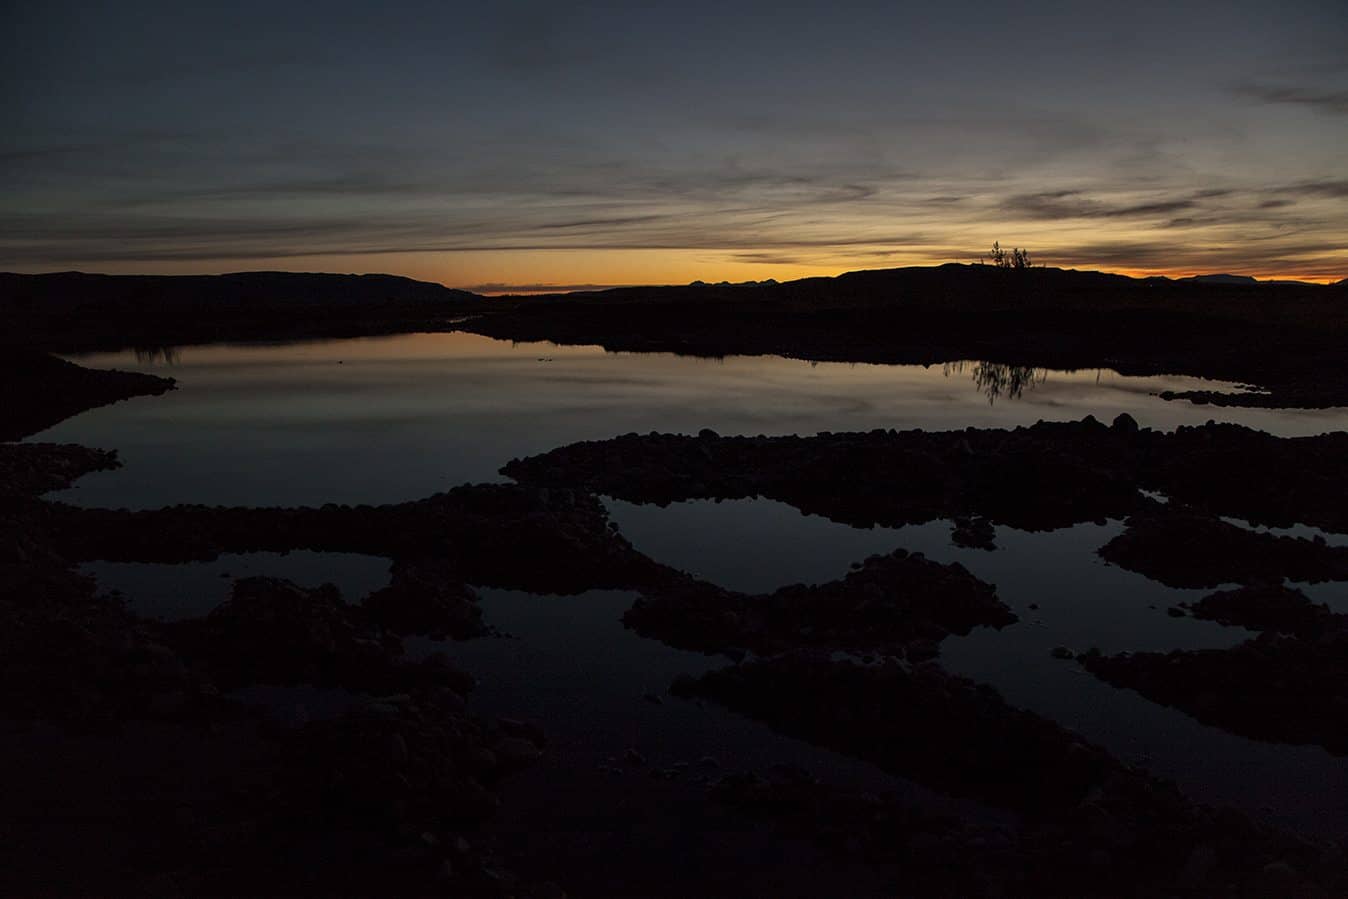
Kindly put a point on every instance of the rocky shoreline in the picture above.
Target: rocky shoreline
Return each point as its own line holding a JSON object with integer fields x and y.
{"x": 393, "y": 792}
{"x": 1288, "y": 684}
{"x": 1088, "y": 825}
{"x": 1046, "y": 476}
{"x": 38, "y": 391}
{"x": 899, "y": 604}
{"x": 403, "y": 779}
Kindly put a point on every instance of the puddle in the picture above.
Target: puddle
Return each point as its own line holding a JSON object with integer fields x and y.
{"x": 1082, "y": 601}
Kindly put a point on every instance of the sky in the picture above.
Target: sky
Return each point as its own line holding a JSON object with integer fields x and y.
{"x": 514, "y": 146}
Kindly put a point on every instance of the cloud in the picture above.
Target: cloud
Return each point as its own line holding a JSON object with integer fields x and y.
{"x": 1310, "y": 258}
{"x": 212, "y": 201}
{"x": 1061, "y": 204}
{"x": 1335, "y": 189}
{"x": 1327, "y": 100}
{"x": 295, "y": 228}
{"x": 771, "y": 258}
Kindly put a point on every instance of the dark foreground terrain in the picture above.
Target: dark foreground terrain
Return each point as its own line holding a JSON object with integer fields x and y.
{"x": 142, "y": 763}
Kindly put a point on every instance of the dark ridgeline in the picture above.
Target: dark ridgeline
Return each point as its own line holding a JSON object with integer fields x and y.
{"x": 67, "y": 311}
{"x": 1286, "y": 338}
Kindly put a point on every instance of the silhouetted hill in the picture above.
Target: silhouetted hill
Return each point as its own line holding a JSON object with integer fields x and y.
{"x": 970, "y": 293}
{"x": 1287, "y": 338}
{"x": 1247, "y": 279}
{"x": 73, "y": 308}
{"x": 1221, "y": 279}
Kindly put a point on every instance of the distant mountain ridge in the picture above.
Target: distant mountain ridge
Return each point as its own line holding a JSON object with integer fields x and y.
{"x": 69, "y": 311}
{"x": 1249, "y": 279}
{"x": 237, "y": 289}
{"x": 1221, "y": 279}
{"x": 99, "y": 310}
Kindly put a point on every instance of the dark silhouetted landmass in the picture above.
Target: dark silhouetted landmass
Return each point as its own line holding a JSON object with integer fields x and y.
{"x": 1286, "y": 685}
{"x": 1286, "y": 339}
{"x": 1090, "y": 824}
{"x": 1223, "y": 279}
{"x": 37, "y": 391}
{"x": 29, "y": 469}
{"x": 71, "y": 310}
{"x": 888, "y": 604}
{"x": 1049, "y": 475}
{"x": 1270, "y": 607}
{"x": 1277, "y": 687}
{"x": 1182, "y": 548}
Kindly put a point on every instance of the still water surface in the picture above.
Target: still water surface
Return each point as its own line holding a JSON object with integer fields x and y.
{"x": 387, "y": 419}
{"x": 396, "y": 418}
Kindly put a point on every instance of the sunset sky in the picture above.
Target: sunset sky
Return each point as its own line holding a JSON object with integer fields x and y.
{"x": 508, "y": 146}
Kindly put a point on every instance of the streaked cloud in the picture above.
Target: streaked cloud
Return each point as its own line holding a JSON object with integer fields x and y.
{"x": 1326, "y": 100}
{"x": 521, "y": 146}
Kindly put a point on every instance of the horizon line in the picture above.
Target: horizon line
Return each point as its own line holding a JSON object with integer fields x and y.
{"x": 540, "y": 288}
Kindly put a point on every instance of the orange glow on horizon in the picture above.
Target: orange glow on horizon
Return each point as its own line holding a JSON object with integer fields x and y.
{"x": 503, "y": 272}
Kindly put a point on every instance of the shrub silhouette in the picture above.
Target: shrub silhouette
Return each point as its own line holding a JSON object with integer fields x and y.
{"x": 1015, "y": 258}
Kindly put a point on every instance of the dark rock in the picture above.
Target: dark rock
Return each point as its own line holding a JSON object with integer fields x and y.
{"x": 1270, "y": 607}
{"x": 1051, "y": 475}
{"x": 30, "y": 469}
{"x": 1275, "y": 687}
{"x": 1181, "y": 547}
{"x": 525, "y": 730}
{"x": 888, "y": 603}
{"x": 973, "y": 533}
{"x": 38, "y": 391}
{"x": 514, "y": 753}
{"x": 426, "y": 597}
{"x": 1083, "y": 812}
{"x": 545, "y": 540}
{"x": 273, "y": 631}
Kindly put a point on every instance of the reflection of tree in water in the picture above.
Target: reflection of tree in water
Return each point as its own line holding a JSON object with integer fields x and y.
{"x": 995, "y": 380}
{"x": 155, "y": 355}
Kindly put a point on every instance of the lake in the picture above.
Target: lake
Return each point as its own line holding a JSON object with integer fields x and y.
{"x": 388, "y": 419}
{"x": 397, "y": 418}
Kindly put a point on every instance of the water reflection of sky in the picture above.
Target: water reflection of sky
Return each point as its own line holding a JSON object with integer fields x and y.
{"x": 1081, "y": 602}
{"x": 395, "y": 418}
